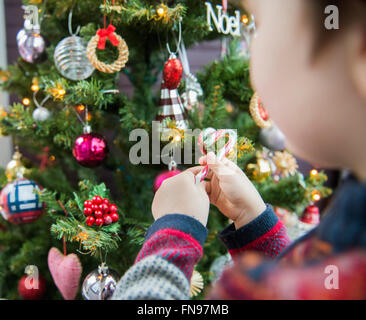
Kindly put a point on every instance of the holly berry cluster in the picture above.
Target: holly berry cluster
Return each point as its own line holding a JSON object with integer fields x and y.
{"x": 100, "y": 212}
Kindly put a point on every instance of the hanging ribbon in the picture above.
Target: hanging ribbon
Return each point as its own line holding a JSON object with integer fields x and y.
{"x": 192, "y": 83}
{"x": 224, "y": 40}
{"x": 107, "y": 33}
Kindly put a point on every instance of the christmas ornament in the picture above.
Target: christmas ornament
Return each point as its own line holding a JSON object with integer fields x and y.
{"x": 100, "y": 211}
{"x": 311, "y": 215}
{"x": 19, "y": 204}
{"x": 173, "y": 171}
{"x": 285, "y": 163}
{"x": 99, "y": 284}
{"x": 262, "y": 169}
{"x": 295, "y": 228}
{"x": 172, "y": 72}
{"x": 196, "y": 284}
{"x": 193, "y": 89}
{"x": 98, "y": 41}
{"x": 70, "y": 56}
{"x": 31, "y": 45}
{"x": 207, "y": 141}
{"x": 15, "y": 169}
{"x": 71, "y": 59}
{"x": 170, "y": 106}
{"x": 258, "y": 113}
{"x": 65, "y": 271}
{"x": 272, "y": 138}
{"x": 32, "y": 286}
{"x": 90, "y": 149}
{"x": 218, "y": 266}
{"x": 41, "y": 114}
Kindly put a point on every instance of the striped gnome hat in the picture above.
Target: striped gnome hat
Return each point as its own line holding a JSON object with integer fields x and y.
{"x": 170, "y": 106}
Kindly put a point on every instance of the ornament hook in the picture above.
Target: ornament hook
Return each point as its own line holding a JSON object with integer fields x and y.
{"x": 179, "y": 41}
{"x": 40, "y": 105}
{"x": 70, "y": 25}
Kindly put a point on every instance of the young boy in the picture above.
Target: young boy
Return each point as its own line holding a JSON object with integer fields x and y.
{"x": 313, "y": 84}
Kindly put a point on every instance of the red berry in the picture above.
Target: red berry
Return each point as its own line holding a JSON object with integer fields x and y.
{"x": 87, "y": 203}
{"x": 104, "y": 208}
{"x": 99, "y": 222}
{"x": 107, "y": 219}
{"x": 88, "y": 211}
{"x": 114, "y": 216}
{"x": 95, "y": 207}
{"x": 106, "y": 201}
{"x": 97, "y": 200}
{"x": 98, "y": 214}
{"x": 113, "y": 208}
{"x": 90, "y": 220}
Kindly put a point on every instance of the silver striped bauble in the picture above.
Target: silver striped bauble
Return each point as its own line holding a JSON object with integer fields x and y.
{"x": 71, "y": 59}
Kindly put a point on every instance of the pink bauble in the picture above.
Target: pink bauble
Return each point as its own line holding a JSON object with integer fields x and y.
{"x": 90, "y": 149}
{"x": 162, "y": 176}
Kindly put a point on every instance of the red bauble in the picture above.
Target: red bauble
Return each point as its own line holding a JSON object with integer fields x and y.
{"x": 172, "y": 73}
{"x": 90, "y": 149}
{"x": 311, "y": 215}
{"x": 99, "y": 221}
{"x": 98, "y": 214}
{"x": 32, "y": 294}
{"x": 104, "y": 208}
{"x": 107, "y": 219}
{"x": 97, "y": 200}
{"x": 162, "y": 176}
{"x": 106, "y": 201}
{"x": 90, "y": 220}
{"x": 114, "y": 216}
{"x": 88, "y": 211}
{"x": 113, "y": 208}
{"x": 87, "y": 203}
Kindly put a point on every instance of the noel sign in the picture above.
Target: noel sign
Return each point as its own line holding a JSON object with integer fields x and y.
{"x": 223, "y": 23}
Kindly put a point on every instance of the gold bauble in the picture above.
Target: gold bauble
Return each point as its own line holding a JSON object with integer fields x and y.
{"x": 285, "y": 162}
{"x": 15, "y": 169}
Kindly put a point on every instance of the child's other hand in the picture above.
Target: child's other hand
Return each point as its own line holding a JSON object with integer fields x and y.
{"x": 230, "y": 190}
{"x": 181, "y": 195}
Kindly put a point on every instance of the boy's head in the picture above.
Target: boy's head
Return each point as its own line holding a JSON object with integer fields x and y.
{"x": 313, "y": 80}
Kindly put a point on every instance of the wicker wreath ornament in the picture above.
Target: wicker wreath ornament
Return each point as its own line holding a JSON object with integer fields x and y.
{"x": 99, "y": 41}
{"x": 259, "y": 113}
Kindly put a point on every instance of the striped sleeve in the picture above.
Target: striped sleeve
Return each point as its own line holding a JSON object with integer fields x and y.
{"x": 266, "y": 234}
{"x": 164, "y": 266}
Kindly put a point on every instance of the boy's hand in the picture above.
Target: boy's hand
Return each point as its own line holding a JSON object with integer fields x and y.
{"x": 230, "y": 190}
{"x": 180, "y": 194}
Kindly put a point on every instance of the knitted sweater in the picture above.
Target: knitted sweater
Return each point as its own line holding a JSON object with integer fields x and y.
{"x": 327, "y": 263}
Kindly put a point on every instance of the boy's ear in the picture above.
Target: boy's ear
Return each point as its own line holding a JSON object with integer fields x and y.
{"x": 357, "y": 59}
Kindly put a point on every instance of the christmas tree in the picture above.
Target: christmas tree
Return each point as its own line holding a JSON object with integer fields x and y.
{"x": 74, "y": 118}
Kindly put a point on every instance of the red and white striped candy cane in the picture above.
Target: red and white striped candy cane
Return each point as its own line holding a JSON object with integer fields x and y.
{"x": 208, "y": 138}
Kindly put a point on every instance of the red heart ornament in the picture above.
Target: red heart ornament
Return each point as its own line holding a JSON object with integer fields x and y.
{"x": 65, "y": 271}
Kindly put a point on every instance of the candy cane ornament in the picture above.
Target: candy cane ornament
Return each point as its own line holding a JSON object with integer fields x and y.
{"x": 207, "y": 138}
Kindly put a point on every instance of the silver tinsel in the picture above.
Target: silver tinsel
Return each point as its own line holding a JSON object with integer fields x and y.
{"x": 99, "y": 284}
{"x": 272, "y": 138}
{"x": 31, "y": 45}
{"x": 71, "y": 59}
{"x": 41, "y": 114}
